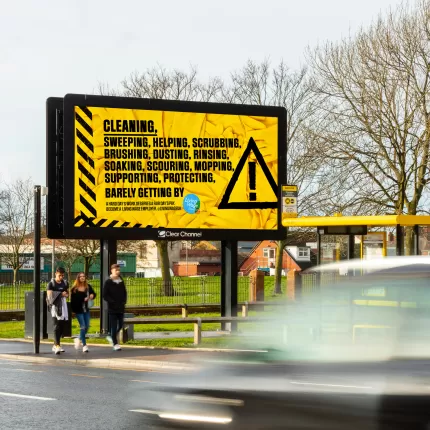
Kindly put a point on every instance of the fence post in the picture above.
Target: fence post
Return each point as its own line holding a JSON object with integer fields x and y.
{"x": 17, "y": 295}
{"x": 197, "y": 331}
{"x": 245, "y": 309}
{"x": 203, "y": 290}
{"x": 294, "y": 285}
{"x": 151, "y": 288}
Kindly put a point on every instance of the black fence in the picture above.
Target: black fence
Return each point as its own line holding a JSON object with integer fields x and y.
{"x": 150, "y": 291}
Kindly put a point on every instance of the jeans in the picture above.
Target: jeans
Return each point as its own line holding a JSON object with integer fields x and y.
{"x": 58, "y": 329}
{"x": 84, "y": 323}
{"x": 116, "y": 323}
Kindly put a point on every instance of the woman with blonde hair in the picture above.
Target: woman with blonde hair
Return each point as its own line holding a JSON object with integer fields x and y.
{"x": 82, "y": 294}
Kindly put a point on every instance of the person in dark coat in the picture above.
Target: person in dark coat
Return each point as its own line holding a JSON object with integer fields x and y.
{"x": 115, "y": 294}
{"x": 56, "y": 297}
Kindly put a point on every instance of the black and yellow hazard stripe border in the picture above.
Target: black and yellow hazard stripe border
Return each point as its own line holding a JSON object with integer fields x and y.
{"x": 81, "y": 104}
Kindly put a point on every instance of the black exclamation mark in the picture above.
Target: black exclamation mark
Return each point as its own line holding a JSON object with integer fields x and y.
{"x": 252, "y": 181}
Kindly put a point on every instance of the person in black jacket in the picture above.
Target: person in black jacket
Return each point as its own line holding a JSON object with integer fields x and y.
{"x": 81, "y": 294}
{"x": 56, "y": 297}
{"x": 115, "y": 294}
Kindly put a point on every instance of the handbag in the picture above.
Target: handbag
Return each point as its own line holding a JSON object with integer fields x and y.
{"x": 90, "y": 302}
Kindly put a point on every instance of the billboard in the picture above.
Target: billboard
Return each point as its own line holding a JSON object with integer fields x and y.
{"x": 153, "y": 169}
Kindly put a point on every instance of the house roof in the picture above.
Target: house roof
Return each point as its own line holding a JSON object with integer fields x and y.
{"x": 247, "y": 244}
{"x": 302, "y": 264}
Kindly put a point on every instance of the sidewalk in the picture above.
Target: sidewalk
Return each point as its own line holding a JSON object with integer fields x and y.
{"x": 129, "y": 358}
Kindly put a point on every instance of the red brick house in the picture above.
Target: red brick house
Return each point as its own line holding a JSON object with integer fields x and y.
{"x": 200, "y": 262}
{"x": 263, "y": 256}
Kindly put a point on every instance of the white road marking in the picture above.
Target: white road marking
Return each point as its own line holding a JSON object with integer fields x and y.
{"x": 85, "y": 376}
{"x": 146, "y": 382}
{"x": 24, "y": 396}
{"x": 195, "y": 418}
{"x": 212, "y": 400}
{"x": 331, "y": 385}
{"x": 185, "y": 417}
{"x": 28, "y": 370}
{"x": 144, "y": 411}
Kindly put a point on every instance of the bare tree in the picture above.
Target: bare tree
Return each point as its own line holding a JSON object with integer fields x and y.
{"x": 159, "y": 83}
{"x": 87, "y": 250}
{"x": 373, "y": 112}
{"x": 16, "y": 224}
{"x": 68, "y": 255}
{"x": 260, "y": 84}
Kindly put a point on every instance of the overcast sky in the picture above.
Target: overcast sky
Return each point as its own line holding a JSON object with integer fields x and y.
{"x": 51, "y": 48}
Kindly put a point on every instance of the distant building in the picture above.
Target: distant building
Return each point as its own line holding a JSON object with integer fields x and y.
{"x": 263, "y": 256}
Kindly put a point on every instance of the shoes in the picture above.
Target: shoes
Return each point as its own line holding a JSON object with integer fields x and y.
{"x": 109, "y": 339}
{"x": 117, "y": 348}
{"x": 85, "y": 348}
{"x": 77, "y": 343}
{"x": 62, "y": 349}
{"x": 56, "y": 349}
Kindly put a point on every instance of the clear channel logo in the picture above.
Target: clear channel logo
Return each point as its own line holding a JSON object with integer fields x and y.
{"x": 166, "y": 234}
{"x": 191, "y": 204}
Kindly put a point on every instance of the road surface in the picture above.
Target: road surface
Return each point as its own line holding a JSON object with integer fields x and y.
{"x": 72, "y": 397}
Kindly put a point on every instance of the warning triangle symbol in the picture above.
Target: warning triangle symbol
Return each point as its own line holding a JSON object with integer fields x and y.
{"x": 225, "y": 201}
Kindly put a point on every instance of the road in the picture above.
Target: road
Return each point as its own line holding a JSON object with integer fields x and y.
{"x": 72, "y": 397}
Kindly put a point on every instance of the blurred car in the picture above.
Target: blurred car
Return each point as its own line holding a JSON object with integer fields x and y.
{"x": 352, "y": 352}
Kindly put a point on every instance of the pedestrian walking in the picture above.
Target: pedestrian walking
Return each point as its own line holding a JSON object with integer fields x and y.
{"x": 115, "y": 294}
{"x": 56, "y": 296}
{"x": 81, "y": 298}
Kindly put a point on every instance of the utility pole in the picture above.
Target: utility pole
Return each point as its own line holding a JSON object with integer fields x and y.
{"x": 53, "y": 259}
{"x": 36, "y": 250}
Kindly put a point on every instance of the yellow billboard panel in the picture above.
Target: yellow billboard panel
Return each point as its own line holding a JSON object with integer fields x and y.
{"x": 171, "y": 170}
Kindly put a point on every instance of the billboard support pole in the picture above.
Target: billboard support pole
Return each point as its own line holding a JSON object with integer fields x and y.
{"x": 351, "y": 246}
{"x": 36, "y": 280}
{"x": 416, "y": 240}
{"x": 108, "y": 256}
{"x": 229, "y": 282}
{"x": 399, "y": 240}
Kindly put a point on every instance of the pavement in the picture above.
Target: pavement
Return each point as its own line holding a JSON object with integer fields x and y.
{"x": 103, "y": 356}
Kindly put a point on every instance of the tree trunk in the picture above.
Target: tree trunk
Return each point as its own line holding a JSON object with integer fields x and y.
{"x": 409, "y": 240}
{"x": 278, "y": 266}
{"x": 15, "y": 276}
{"x": 165, "y": 267}
{"x": 87, "y": 266}
{"x": 69, "y": 274}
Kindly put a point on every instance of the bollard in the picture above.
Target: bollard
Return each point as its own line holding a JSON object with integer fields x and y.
{"x": 184, "y": 311}
{"x": 245, "y": 309}
{"x": 197, "y": 331}
{"x": 127, "y": 333}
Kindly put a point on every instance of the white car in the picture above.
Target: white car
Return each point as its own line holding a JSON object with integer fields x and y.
{"x": 353, "y": 353}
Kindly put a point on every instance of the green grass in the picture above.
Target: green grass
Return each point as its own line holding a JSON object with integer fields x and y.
{"x": 147, "y": 292}
{"x": 15, "y": 330}
{"x": 12, "y": 329}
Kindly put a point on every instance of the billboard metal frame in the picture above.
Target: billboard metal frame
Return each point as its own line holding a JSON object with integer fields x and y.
{"x": 73, "y": 232}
